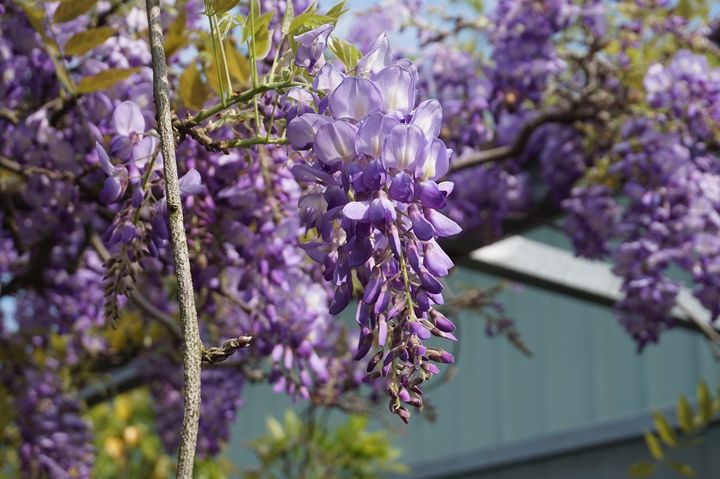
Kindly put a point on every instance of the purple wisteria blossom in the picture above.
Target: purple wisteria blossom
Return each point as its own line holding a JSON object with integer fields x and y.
{"x": 372, "y": 212}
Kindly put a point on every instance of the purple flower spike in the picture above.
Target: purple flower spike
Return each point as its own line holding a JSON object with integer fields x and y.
{"x": 377, "y": 57}
{"x": 397, "y": 85}
{"x": 355, "y": 98}
{"x": 335, "y": 143}
{"x": 372, "y": 134}
{"x": 403, "y": 146}
{"x": 428, "y": 116}
{"x": 302, "y": 129}
{"x": 311, "y": 46}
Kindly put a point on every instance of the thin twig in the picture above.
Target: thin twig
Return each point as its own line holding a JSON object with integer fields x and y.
{"x": 192, "y": 345}
{"x": 517, "y": 146}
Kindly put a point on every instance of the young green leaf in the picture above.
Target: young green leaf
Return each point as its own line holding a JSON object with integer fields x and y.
{"x": 71, "y": 9}
{"x": 338, "y": 9}
{"x": 683, "y": 469}
{"x": 641, "y": 470}
{"x": 704, "y": 403}
{"x": 84, "y": 41}
{"x": 345, "y": 51}
{"x": 684, "y": 415}
{"x": 664, "y": 430}
{"x": 653, "y": 445}
{"x": 287, "y": 18}
{"x": 222, "y": 6}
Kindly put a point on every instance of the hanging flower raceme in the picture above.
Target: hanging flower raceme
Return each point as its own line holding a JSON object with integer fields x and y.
{"x": 372, "y": 205}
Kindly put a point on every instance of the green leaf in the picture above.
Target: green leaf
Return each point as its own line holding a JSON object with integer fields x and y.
{"x": 653, "y": 445}
{"x": 664, "y": 430}
{"x": 684, "y": 469}
{"x": 287, "y": 18}
{"x": 641, "y": 469}
{"x": 704, "y": 403}
{"x": 238, "y": 65}
{"x": 193, "y": 90}
{"x": 104, "y": 79}
{"x": 71, "y": 9}
{"x": 684, "y": 8}
{"x": 684, "y": 415}
{"x": 83, "y": 42}
{"x": 222, "y": 6}
{"x": 261, "y": 36}
{"x": 274, "y": 428}
{"x": 337, "y": 10}
{"x": 345, "y": 51}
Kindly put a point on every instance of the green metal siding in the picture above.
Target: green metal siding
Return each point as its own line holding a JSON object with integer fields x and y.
{"x": 585, "y": 369}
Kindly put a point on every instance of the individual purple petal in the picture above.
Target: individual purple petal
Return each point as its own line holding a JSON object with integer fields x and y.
{"x": 372, "y": 290}
{"x": 446, "y": 187}
{"x": 364, "y": 344}
{"x": 377, "y": 57}
{"x": 382, "y": 330}
{"x": 111, "y": 191}
{"x": 394, "y": 240}
{"x": 340, "y": 299}
{"x": 419, "y": 330}
{"x": 422, "y": 228}
{"x": 302, "y": 129}
{"x": 442, "y": 323}
{"x": 430, "y": 282}
{"x": 356, "y": 210}
{"x": 434, "y": 160}
{"x": 191, "y": 183}
{"x": 311, "y": 46}
{"x": 381, "y": 210}
{"x": 128, "y": 119}
{"x": 397, "y": 86}
{"x": 436, "y": 260}
{"x": 335, "y": 143}
{"x": 372, "y": 133}
{"x": 307, "y": 173}
{"x": 328, "y": 79}
{"x": 373, "y": 178}
{"x": 121, "y": 147}
{"x": 360, "y": 251}
{"x": 402, "y": 188}
{"x": 428, "y": 116}
{"x": 143, "y": 151}
{"x": 104, "y": 159}
{"x": 403, "y": 146}
{"x": 444, "y": 226}
{"x": 428, "y": 193}
{"x": 355, "y": 98}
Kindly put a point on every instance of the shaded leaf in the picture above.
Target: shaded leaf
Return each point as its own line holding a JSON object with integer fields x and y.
{"x": 641, "y": 469}
{"x": 238, "y": 65}
{"x": 261, "y": 35}
{"x": 222, "y": 6}
{"x": 104, "y": 79}
{"x": 664, "y": 430}
{"x": 704, "y": 403}
{"x": 683, "y": 469}
{"x": 176, "y": 37}
{"x": 83, "y": 42}
{"x": 684, "y": 415}
{"x": 71, "y": 9}
{"x": 653, "y": 445}
{"x": 338, "y": 9}
{"x": 193, "y": 90}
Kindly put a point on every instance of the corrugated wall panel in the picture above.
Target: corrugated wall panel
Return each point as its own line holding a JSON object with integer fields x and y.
{"x": 585, "y": 368}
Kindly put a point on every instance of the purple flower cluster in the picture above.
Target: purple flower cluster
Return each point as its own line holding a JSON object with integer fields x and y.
{"x": 372, "y": 213}
{"x": 56, "y": 441}
{"x": 689, "y": 89}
